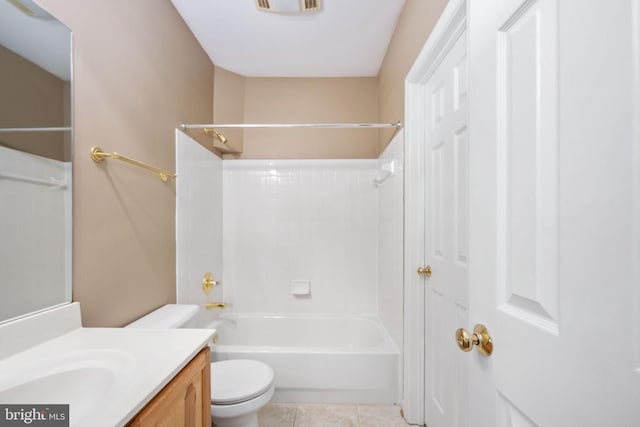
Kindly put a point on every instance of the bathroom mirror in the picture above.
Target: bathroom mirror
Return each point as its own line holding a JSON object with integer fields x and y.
{"x": 35, "y": 160}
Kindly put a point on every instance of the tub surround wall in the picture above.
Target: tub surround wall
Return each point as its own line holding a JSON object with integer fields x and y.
{"x": 30, "y": 233}
{"x": 321, "y": 221}
{"x": 135, "y": 80}
{"x": 390, "y": 243}
{"x": 287, "y": 220}
{"x": 198, "y": 220}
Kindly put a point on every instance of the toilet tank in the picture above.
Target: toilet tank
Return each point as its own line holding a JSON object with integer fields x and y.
{"x": 168, "y": 316}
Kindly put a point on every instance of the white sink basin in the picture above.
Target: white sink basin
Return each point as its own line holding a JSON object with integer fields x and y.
{"x": 80, "y": 379}
{"x": 105, "y": 375}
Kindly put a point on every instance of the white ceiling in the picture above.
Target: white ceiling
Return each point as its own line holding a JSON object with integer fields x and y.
{"x": 45, "y": 42}
{"x": 348, "y": 38}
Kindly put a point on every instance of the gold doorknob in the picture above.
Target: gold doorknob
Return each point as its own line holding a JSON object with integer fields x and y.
{"x": 424, "y": 271}
{"x": 208, "y": 283}
{"x": 480, "y": 338}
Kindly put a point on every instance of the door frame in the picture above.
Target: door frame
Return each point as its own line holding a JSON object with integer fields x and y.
{"x": 450, "y": 26}
{"x": 636, "y": 169}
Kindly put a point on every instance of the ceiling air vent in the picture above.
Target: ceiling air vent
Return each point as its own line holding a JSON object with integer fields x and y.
{"x": 289, "y": 6}
{"x": 310, "y": 5}
{"x": 263, "y": 5}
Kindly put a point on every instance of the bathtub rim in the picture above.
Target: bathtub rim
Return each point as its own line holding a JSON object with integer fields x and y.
{"x": 388, "y": 346}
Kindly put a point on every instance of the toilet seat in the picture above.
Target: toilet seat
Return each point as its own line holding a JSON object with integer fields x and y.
{"x": 238, "y": 380}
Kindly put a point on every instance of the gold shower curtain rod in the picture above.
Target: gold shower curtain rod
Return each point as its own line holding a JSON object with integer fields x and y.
{"x": 98, "y": 155}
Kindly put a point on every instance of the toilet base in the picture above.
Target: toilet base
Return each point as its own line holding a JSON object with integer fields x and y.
{"x": 248, "y": 420}
{"x": 243, "y": 414}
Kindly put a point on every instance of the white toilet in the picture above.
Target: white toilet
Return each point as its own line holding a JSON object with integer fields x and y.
{"x": 239, "y": 388}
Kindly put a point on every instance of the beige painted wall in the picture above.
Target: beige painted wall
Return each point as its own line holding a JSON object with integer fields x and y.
{"x": 310, "y": 100}
{"x": 414, "y": 26}
{"x": 228, "y": 106}
{"x": 31, "y": 97}
{"x": 136, "y": 79}
{"x": 239, "y": 99}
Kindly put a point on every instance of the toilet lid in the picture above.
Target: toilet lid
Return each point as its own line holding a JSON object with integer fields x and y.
{"x": 234, "y": 381}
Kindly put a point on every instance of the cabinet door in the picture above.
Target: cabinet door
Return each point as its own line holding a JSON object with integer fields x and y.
{"x": 185, "y": 401}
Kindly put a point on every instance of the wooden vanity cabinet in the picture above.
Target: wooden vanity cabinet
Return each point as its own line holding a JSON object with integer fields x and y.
{"x": 185, "y": 401}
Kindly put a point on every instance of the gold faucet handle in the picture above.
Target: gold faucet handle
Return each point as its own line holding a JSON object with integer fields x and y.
{"x": 208, "y": 283}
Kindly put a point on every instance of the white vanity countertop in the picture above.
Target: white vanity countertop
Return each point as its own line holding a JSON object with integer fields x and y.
{"x": 115, "y": 372}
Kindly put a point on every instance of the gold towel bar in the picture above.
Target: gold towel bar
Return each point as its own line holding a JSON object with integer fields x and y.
{"x": 98, "y": 155}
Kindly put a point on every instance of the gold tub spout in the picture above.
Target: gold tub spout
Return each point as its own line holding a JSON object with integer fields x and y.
{"x": 210, "y": 305}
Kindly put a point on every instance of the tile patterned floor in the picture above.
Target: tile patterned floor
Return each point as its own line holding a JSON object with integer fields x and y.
{"x": 320, "y": 415}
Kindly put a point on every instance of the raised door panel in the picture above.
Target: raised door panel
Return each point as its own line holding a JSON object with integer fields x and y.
{"x": 527, "y": 205}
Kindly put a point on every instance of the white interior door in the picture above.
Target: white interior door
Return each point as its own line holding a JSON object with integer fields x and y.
{"x": 446, "y": 237}
{"x": 553, "y": 252}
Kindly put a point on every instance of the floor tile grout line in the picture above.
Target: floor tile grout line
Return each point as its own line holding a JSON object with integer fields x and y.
{"x": 295, "y": 415}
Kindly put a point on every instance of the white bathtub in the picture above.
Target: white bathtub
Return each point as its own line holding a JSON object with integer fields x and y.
{"x": 337, "y": 359}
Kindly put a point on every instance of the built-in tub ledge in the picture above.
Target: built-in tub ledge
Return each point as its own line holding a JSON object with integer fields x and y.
{"x": 46, "y": 358}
